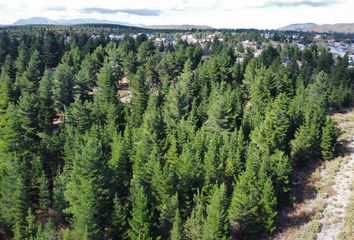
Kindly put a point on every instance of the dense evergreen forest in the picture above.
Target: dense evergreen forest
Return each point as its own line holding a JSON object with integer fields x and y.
{"x": 205, "y": 148}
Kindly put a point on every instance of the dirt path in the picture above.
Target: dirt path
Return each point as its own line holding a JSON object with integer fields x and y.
{"x": 333, "y": 215}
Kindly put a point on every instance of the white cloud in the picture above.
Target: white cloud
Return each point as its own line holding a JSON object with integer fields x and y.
{"x": 217, "y": 13}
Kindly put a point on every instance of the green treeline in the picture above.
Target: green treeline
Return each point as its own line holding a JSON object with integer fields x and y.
{"x": 205, "y": 148}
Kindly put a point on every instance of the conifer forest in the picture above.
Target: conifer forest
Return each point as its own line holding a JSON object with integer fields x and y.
{"x": 123, "y": 138}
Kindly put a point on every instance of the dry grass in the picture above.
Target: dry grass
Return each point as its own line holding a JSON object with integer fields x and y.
{"x": 348, "y": 229}
{"x": 309, "y": 231}
{"x": 345, "y": 123}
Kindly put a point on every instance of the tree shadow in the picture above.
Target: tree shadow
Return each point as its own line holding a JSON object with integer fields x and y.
{"x": 303, "y": 190}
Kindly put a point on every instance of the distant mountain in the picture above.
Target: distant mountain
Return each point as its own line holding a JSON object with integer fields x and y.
{"x": 297, "y": 27}
{"x": 312, "y": 27}
{"x": 47, "y": 21}
{"x": 179, "y": 27}
{"x": 35, "y": 21}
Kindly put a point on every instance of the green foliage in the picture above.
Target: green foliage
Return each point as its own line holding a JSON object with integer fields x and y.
{"x": 215, "y": 224}
{"x": 193, "y": 228}
{"x": 106, "y": 89}
{"x": 45, "y": 99}
{"x": 43, "y": 192}
{"x": 244, "y": 206}
{"x": 176, "y": 232}
{"x": 273, "y": 132}
{"x": 328, "y": 140}
{"x": 119, "y": 219}
{"x": 87, "y": 189}
{"x": 47, "y": 231}
{"x": 51, "y": 50}
{"x": 141, "y": 219}
{"x": 202, "y": 147}
{"x": 268, "y": 203}
{"x": 31, "y": 224}
{"x": 32, "y": 75}
{"x": 22, "y": 59}
{"x": 6, "y": 85}
{"x": 305, "y": 146}
{"x": 63, "y": 83}
{"x": 59, "y": 201}
{"x": 140, "y": 97}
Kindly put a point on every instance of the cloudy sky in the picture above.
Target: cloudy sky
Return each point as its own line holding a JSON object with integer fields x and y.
{"x": 216, "y": 13}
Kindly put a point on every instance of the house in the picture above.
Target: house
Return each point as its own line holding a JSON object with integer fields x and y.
{"x": 165, "y": 41}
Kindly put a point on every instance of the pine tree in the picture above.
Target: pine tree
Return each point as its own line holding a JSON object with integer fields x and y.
{"x": 176, "y": 232}
{"x": 45, "y": 98}
{"x": 119, "y": 219}
{"x": 27, "y": 111}
{"x": 30, "y": 230}
{"x": 73, "y": 59}
{"x": 85, "y": 79}
{"x": 268, "y": 204}
{"x": 250, "y": 72}
{"x": 172, "y": 109}
{"x": 63, "y": 83}
{"x": 141, "y": 219}
{"x": 329, "y": 137}
{"x": 43, "y": 192}
{"x": 243, "y": 211}
{"x": 304, "y": 147}
{"x": 281, "y": 172}
{"x": 153, "y": 125}
{"x": 6, "y": 85}
{"x": 273, "y": 133}
{"x": 189, "y": 172}
{"x": 115, "y": 119}
{"x": 129, "y": 63}
{"x": 120, "y": 163}
{"x": 213, "y": 163}
{"x": 236, "y": 156}
{"x": 193, "y": 228}
{"x": 32, "y": 75}
{"x": 14, "y": 200}
{"x": 59, "y": 188}
{"x": 47, "y": 231}
{"x": 51, "y": 50}
{"x": 87, "y": 190}
{"x": 186, "y": 85}
{"x": 80, "y": 114}
{"x": 140, "y": 97}
{"x": 215, "y": 224}
{"x": 106, "y": 88}
{"x": 5, "y": 45}
{"x": 19, "y": 205}
{"x": 22, "y": 59}
{"x": 217, "y": 111}
{"x": 167, "y": 208}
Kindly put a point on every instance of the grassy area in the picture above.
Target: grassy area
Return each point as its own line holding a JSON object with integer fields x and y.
{"x": 345, "y": 124}
{"x": 348, "y": 229}
{"x": 325, "y": 179}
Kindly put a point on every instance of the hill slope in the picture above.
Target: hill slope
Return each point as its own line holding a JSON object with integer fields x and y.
{"x": 179, "y": 27}
{"x": 312, "y": 27}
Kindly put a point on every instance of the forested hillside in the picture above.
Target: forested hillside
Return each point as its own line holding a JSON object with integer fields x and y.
{"x": 205, "y": 148}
